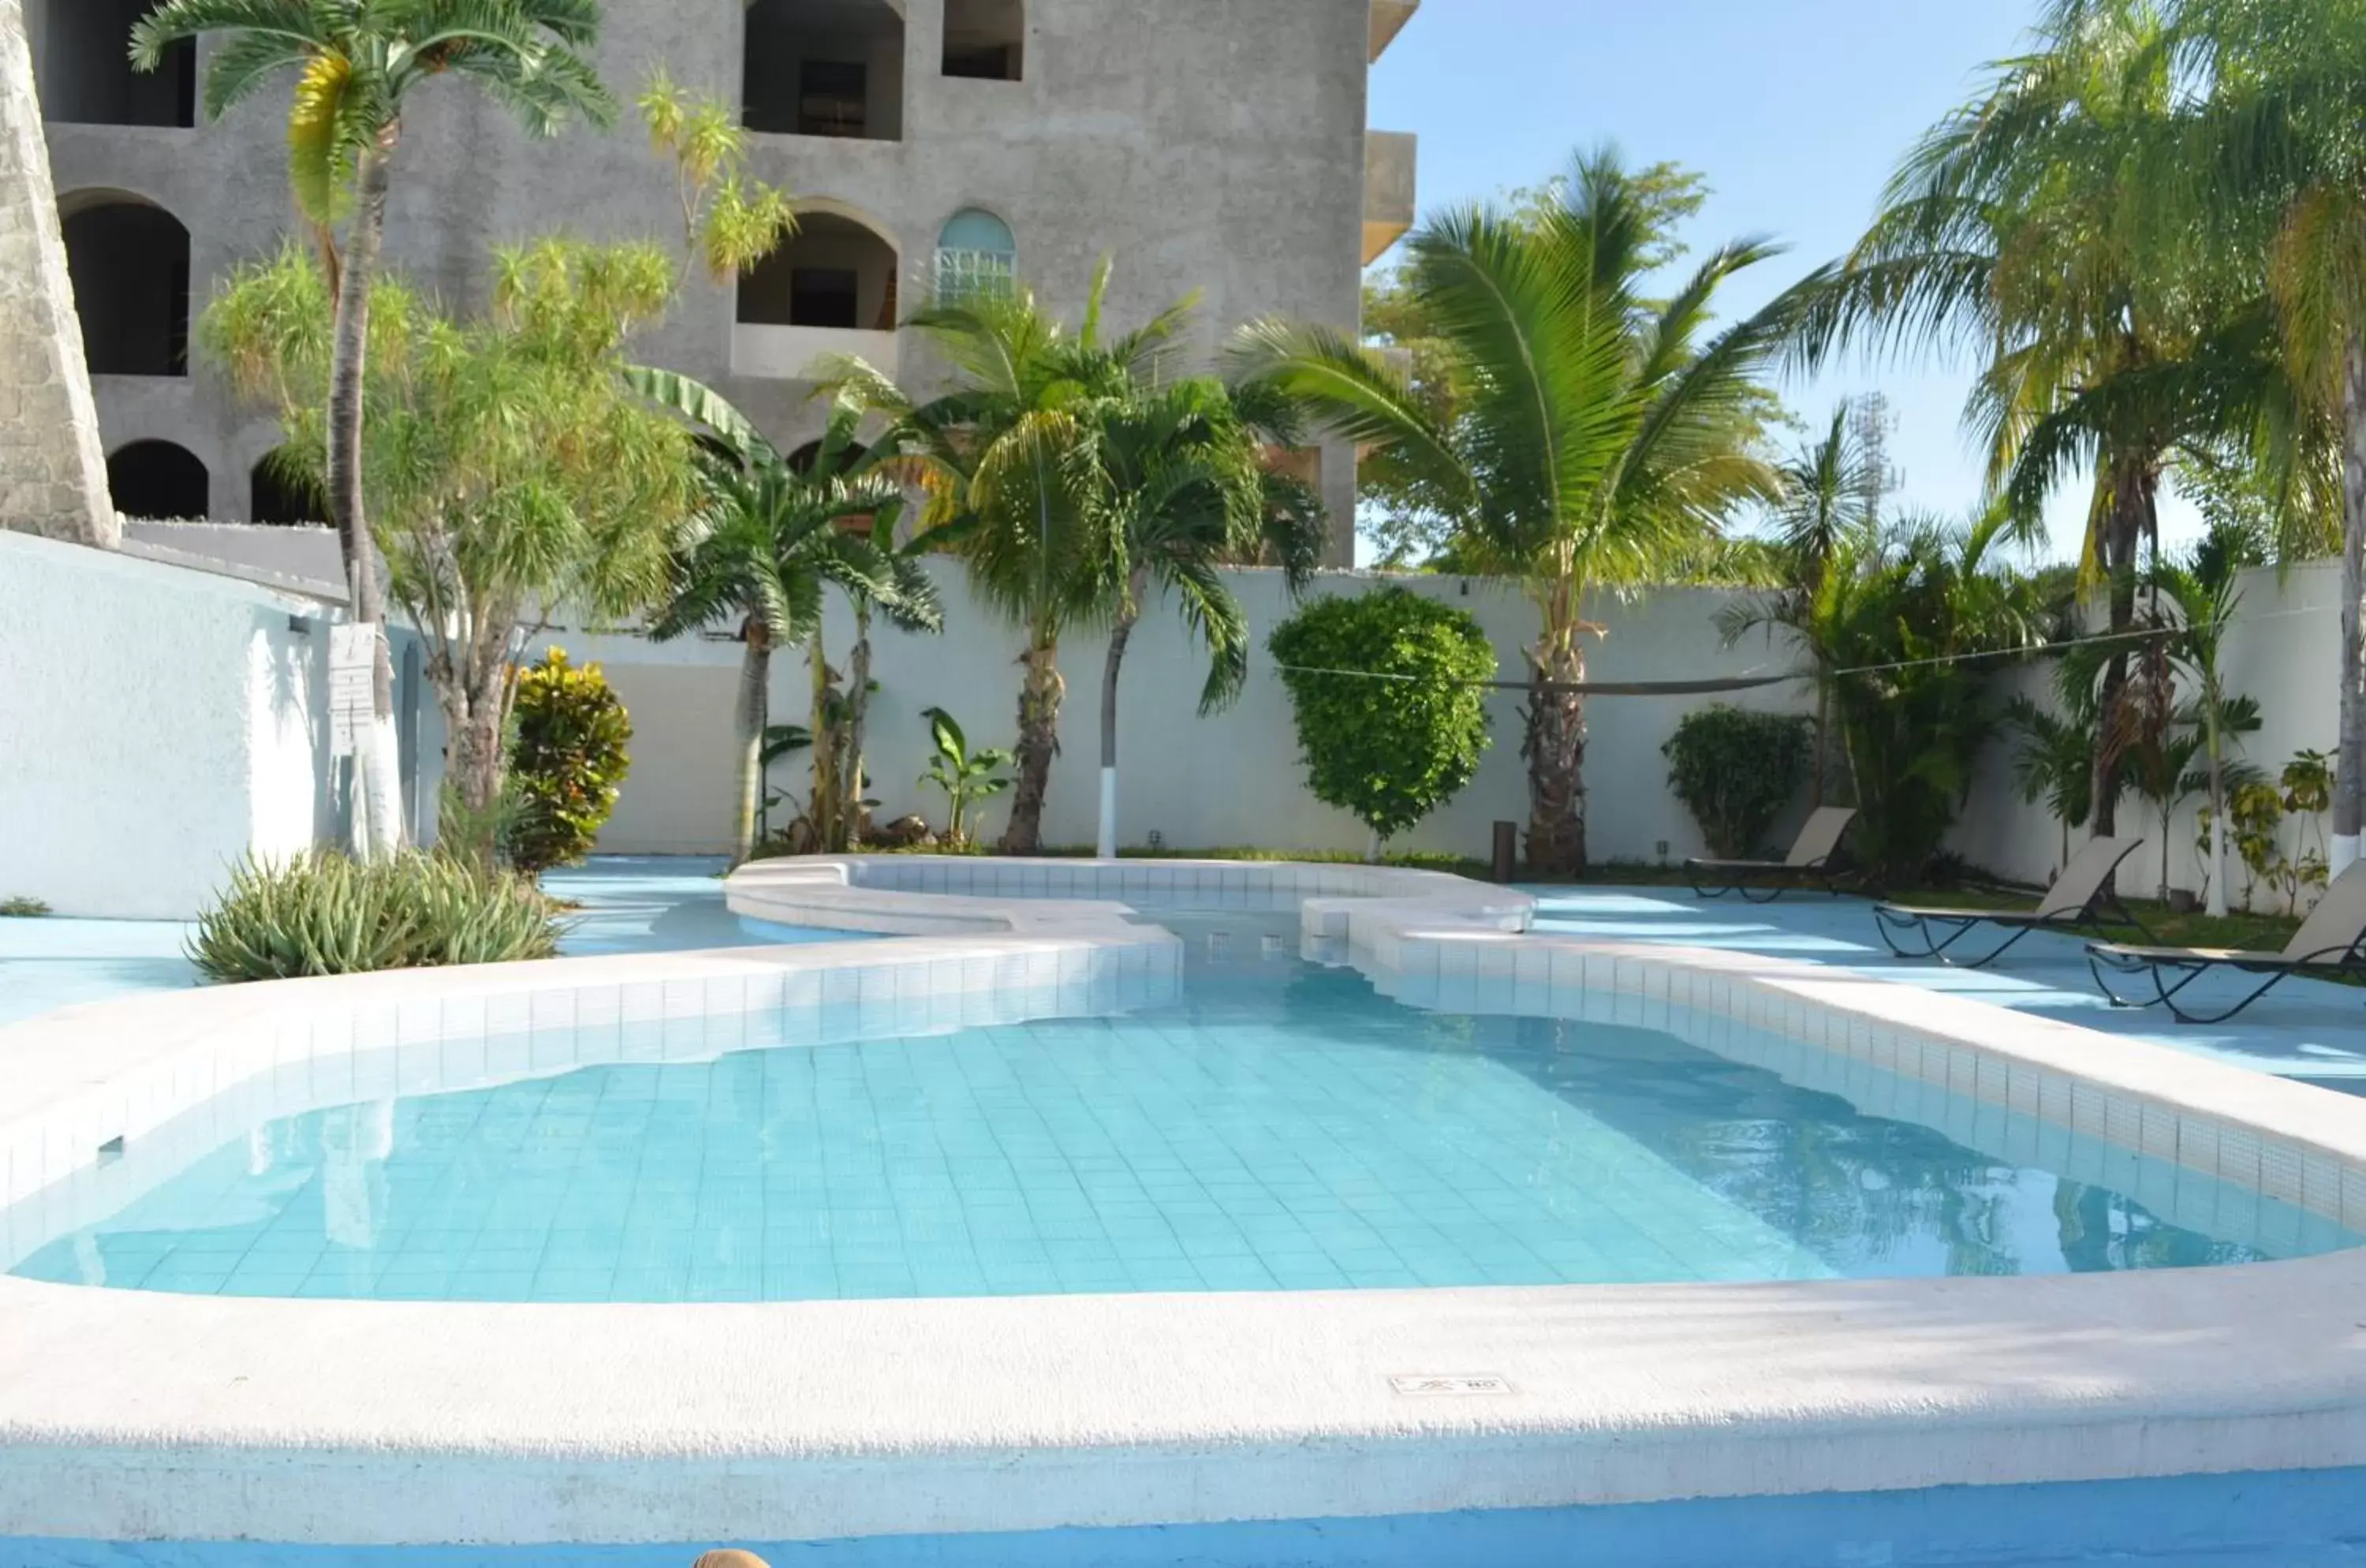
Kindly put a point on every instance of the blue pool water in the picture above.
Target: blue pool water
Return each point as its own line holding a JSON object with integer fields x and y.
{"x": 1283, "y": 1128}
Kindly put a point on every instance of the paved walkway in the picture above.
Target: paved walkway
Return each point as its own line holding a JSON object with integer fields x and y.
{"x": 2303, "y": 1030}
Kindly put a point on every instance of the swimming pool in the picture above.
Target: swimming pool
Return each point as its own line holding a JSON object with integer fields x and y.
{"x": 1280, "y": 1127}
{"x": 1912, "y": 1146}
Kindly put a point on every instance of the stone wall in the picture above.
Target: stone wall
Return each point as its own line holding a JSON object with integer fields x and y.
{"x": 52, "y": 471}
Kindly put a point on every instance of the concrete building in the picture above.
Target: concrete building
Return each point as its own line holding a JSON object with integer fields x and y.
{"x": 1210, "y": 145}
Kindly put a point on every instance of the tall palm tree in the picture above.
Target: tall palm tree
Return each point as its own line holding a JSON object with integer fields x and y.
{"x": 1182, "y": 473}
{"x": 1829, "y": 500}
{"x": 769, "y": 541}
{"x": 1007, "y": 456}
{"x": 2281, "y": 147}
{"x": 357, "y": 62}
{"x": 2013, "y": 230}
{"x": 1604, "y": 438}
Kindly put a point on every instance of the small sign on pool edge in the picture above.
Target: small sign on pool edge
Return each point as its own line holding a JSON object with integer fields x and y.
{"x": 1450, "y": 1385}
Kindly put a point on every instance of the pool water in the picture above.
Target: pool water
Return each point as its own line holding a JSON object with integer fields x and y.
{"x": 1283, "y": 1128}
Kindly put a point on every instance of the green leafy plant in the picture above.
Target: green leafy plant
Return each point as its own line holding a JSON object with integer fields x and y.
{"x": 1389, "y": 692}
{"x": 567, "y": 762}
{"x": 966, "y": 776}
{"x": 22, "y": 909}
{"x": 1735, "y": 770}
{"x": 324, "y": 913}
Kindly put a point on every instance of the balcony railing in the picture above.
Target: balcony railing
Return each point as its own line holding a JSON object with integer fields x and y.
{"x": 789, "y": 353}
{"x": 1388, "y": 18}
{"x": 1391, "y": 160}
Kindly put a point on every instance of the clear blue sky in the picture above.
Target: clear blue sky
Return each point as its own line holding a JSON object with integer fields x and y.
{"x": 1796, "y": 111}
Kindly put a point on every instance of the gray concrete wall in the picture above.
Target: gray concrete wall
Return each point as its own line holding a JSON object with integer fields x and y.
{"x": 1216, "y": 145}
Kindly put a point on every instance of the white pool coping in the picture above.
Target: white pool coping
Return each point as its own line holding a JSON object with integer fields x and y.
{"x": 127, "y": 1414}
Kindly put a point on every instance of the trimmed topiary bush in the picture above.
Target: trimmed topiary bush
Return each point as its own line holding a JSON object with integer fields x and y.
{"x": 1389, "y": 752}
{"x": 567, "y": 764}
{"x": 1736, "y": 771}
{"x": 325, "y": 914}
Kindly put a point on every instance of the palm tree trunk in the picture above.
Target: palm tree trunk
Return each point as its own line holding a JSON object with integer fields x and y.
{"x": 1554, "y": 743}
{"x": 380, "y": 831}
{"x": 2135, "y": 483}
{"x": 753, "y": 712}
{"x": 1039, "y": 742}
{"x": 476, "y": 770}
{"x": 1823, "y": 740}
{"x": 1119, "y": 635}
{"x": 858, "y": 708}
{"x": 822, "y": 808}
{"x": 2349, "y": 778}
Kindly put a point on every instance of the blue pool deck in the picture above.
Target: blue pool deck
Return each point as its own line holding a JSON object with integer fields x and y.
{"x": 2304, "y": 1030}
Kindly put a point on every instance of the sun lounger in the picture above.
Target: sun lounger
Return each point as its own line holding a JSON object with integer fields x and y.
{"x": 1813, "y": 863}
{"x": 2331, "y": 944}
{"x": 2082, "y": 899}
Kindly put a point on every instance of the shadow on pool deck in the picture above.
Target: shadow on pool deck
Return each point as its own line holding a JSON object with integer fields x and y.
{"x": 2303, "y": 1030}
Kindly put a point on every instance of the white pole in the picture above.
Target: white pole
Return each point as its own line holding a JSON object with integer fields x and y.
{"x": 1107, "y": 848}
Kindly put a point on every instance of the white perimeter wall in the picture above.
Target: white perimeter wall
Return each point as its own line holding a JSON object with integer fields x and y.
{"x": 155, "y": 725}
{"x": 1228, "y": 781}
{"x": 157, "y": 722}
{"x": 2282, "y": 649}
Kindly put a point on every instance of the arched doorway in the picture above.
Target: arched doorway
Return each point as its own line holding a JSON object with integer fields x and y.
{"x": 282, "y": 495}
{"x": 159, "y": 479}
{"x": 825, "y": 68}
{"x": 833, "y": 272}
{"x": 130, "y": 263}
{"x": 82, "y": 67}
{"x": 986, "y": 40}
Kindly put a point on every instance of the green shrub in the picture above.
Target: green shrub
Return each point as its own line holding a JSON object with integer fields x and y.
{"x": 22, "y": 909}
{"x": 325, "y": 914}
{"x": 1389, "y": 752}
{"x": 1736, "y": 771}
{"x": 567, "y": 763}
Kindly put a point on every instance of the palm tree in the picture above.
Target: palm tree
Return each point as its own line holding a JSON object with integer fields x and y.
{"x": 1008, "y": 457}
{"x": 2281, "y": 145}
{"x": 768, "y": 544}
{"x": 1604, "y": 438}
{"x": 2024, "y": 229}
{"x": 357, "y": 65}
{"x": 2204, "y": 594}
{"x": 1183, "y": 474}
{"x": 1829, "y": 501}
{"x": 2055, "y": 759}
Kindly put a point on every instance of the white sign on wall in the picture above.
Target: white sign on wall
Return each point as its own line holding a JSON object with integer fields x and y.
{"x": 353, "y": 684}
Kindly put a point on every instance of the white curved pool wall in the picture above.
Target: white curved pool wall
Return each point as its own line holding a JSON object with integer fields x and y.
{"x": 129, "y": 1414}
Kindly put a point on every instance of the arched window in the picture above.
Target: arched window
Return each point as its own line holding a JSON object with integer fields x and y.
{"x": 82, "y": 65}
{"x": 158, "y": 479}
{"x": 835, "y": 271}
{"x": 986, "y": 40}
{"x": 130, "y": 263}
{"x": 825, "y": 68}
{"x": 975, "y": 255}
{"x": 283, "y": 493}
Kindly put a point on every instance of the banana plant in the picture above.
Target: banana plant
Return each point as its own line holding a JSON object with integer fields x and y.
{"x": 966, "y": 776}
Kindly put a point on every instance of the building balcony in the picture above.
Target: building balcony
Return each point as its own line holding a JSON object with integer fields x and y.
{"x": 1390, "y": 158}
{"x": 791, "y": 354}
{"x": 1388, "y": 18}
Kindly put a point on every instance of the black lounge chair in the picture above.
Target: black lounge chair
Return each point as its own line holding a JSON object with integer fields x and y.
{"x": 1813, "y": 862}
{"x": 2331, "y": 944}
{"x": 2082, "y": 899}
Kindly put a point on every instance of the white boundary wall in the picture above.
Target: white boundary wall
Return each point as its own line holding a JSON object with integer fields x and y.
{"x": 155, "y": 725}
{"x": 2283, "y": 648}
{"x": 1232, "y": 780}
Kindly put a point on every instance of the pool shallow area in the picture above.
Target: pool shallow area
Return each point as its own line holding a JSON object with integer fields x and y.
{"x": 1281, "y": 1126}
